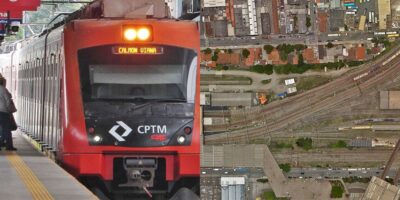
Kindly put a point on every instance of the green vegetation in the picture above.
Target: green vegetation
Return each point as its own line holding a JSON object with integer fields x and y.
{"x": 300, "y": 47}
{"x": 214, "y": 57}
{"x": 263, "y": 69}
{"x": 230, "y": 51}
{"x": 301, "y": 59}
{"x": 283, "y": 145}
{"x": 262, "y": 180}
{"x": 305, "y": 143}
{"x": 337, "y": 189}
{"x": 285, "y": 167}
{"x": 329, "y": 45}
{"x": 308, "y": 22}
{"x": 381, "y": 40}
{"x": 268, "y": 48}
{"x": 302, "y": 67}
{"x": 354, "y": 179}
{"x": 207, "y": 51}
{"x": 266, "y": 81}
{"x": 285, "y": 50}
{"x": 245, "y": 53}
{"x": 309, "y": 82}
{"x": 270, "y": 195}
{"x": 354, "y": 63}
{"x": 338, "y": 144}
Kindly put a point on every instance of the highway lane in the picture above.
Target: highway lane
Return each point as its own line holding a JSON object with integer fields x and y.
{"x": 310, "y": 39}
{"x": 318, "y": 173}
{"x": 324, "y": 173}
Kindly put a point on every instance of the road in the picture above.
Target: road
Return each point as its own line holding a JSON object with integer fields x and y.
{"x": 318, "y": 173}
{"x": 321, "y": 173}
{"x": 260, "y": 121}
{"x": 242, "y": 42}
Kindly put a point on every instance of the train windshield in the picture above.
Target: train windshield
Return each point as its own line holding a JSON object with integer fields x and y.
{"x": 168, "y": 75}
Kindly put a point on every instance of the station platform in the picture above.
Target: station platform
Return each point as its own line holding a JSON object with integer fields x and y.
{"x": 27, "y": 174}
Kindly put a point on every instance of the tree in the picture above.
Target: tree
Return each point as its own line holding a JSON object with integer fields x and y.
{"x": 268, "y": 48}
{"x": 305, "y": 143}
{"x": 329, "y": 45}
{"x": 300, "y": 47}
{"x": 346, "y": 28}
{"x": 308, "y": 22}
{"x": 245, "y": 53}
{"x": 216, "y": 51}
{"x": 285, "y": 167}
{"x": 207, "y": 51}
{"x": 301, "y": 59}
{"x": 230, "y": 51}
{"x": 214, "y": 57}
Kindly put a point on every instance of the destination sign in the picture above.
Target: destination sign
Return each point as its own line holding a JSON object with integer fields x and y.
{"x": 123, "y": 50}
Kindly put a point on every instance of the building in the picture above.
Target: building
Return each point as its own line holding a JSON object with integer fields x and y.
{"x": 297, "y": 2}
{"x": 335, "y": 4}
{"x": 175, "y": 7}
{"x": 245, "y": 16}
{"x": 266, "y": 23}
{"x": 289, "y": 81}
{"x": 233, "y": 99}
{"x": 323, "y": 21}
{"x": 275, "y": 58}
{"x": 357, "y": 53}
{"x": 390, "y": 100}
{"x": 380, "y": 189}
{"x": 232, "y": 188}
{"x": 254, "y": 57}
{"x": 220, "y": 28}
{"x": 309, "y": 56}
{"x": 361, "y": 25}
{"x": 383, "y": 13}
{"x": 336, "y": 19}
{"x": 214, "y": 3}
{"x": 301, "y": 23}
{"x": 228, "y": 59}
{"x": 360, "y": 143}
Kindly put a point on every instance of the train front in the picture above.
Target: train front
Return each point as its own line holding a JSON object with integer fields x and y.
{"x": 131, "y": 104}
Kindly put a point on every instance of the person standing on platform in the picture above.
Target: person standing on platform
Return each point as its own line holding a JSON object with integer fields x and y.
{"x": 7, "y": 122}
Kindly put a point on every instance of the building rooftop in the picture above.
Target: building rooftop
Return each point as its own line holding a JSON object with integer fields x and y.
{"x": 255, "y": 55}
{"x": 309, "y": 56}
{"x": 275, "y": 58}
{"x": 336, "y": 19}
{"x": 323, "y": 21}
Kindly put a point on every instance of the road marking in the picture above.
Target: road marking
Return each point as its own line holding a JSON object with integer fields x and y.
{"x": 31, "y": 181}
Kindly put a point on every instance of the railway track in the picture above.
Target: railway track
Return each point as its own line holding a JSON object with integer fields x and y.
{"x": 286, "y": 111}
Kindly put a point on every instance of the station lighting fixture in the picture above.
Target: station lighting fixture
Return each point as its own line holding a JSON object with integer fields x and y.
{"x": 137, "y": 33}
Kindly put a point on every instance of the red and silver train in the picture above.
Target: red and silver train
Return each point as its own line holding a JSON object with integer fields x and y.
{"x": 115, "y": 99}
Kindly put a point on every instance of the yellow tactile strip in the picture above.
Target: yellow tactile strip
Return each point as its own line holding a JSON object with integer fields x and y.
{"x": 31, "y": 181}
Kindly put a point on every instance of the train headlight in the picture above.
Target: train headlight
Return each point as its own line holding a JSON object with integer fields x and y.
{"x": 97, "y": 139}
{"x": 144, "y": 34}
{"x": 181, "y": 139}
{"x": 137, "y": 33}
{"x": 130, "y": 34}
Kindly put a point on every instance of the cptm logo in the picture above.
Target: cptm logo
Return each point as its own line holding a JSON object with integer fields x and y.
{"x": 120, "y": 138}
